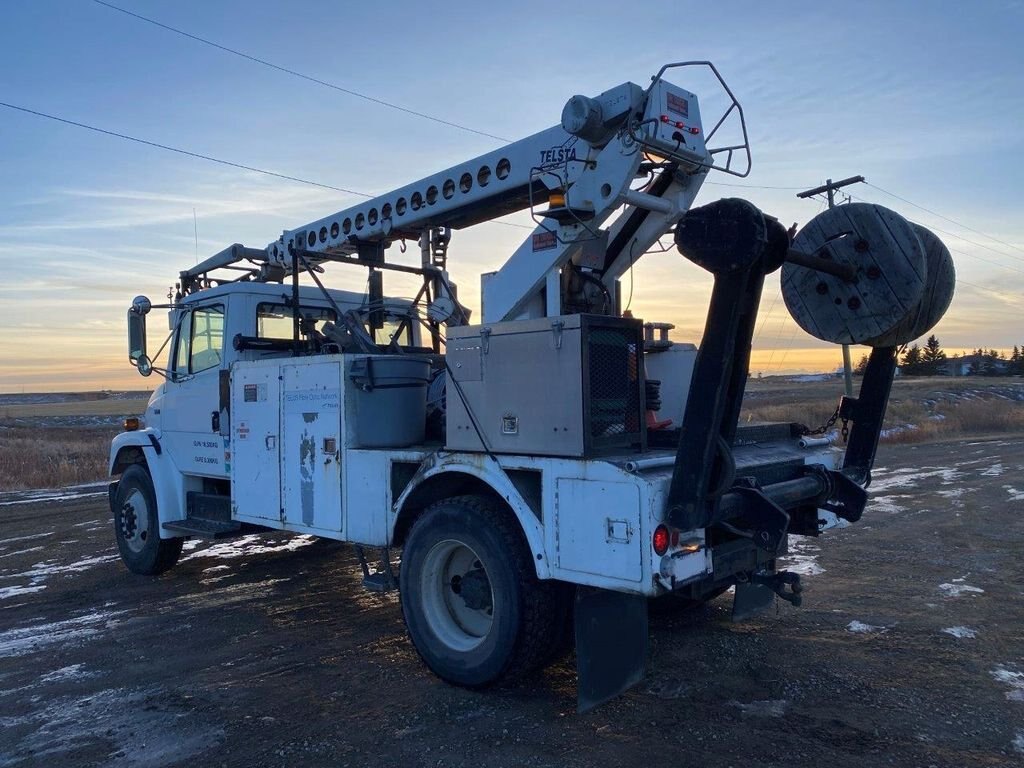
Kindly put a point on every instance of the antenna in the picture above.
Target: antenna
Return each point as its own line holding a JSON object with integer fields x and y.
{"x": 195, "y": 227}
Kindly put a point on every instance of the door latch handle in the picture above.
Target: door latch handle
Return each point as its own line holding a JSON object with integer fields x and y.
{"x": 215, "y": 421}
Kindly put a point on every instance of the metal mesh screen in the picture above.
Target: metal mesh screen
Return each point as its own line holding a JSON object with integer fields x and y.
{"x": 613, "y": 404}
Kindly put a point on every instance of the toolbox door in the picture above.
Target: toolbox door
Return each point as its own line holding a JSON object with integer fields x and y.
{"x": 255, "y": 429}
{"x": 311, "y": 446}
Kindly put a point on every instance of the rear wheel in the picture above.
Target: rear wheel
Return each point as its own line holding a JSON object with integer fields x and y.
{"x": 471, "y": 600}
{"x": 137, "y": 526}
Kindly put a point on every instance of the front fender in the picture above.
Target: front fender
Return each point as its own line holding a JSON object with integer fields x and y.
{"x": 485, "y": 471}
{"x": 143, "y": 447}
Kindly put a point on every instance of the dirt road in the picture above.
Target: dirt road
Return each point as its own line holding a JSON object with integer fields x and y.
{"x": 265, "y": 651}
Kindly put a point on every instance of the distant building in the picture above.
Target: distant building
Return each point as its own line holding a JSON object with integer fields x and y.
{"x": 967, "y": 365}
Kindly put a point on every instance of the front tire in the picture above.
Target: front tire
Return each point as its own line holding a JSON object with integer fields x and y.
{"x": 137, "y": 526}
{"x": 471, "y": 600}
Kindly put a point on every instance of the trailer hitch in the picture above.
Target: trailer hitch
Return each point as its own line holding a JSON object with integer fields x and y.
{"x": 777, "y": 583}
{"x": 759, "y": 590}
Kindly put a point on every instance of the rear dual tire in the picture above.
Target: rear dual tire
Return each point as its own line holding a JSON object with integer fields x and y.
{"x": 472, "y": 603}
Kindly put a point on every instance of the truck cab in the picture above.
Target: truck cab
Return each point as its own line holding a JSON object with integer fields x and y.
{"x": 186, "y": 406}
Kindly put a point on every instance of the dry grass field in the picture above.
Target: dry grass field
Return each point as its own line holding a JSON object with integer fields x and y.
{"x": 52, "y": 457}
{"x": 108, "y": 407}
{"x": 52, "y": 441}
{"x": 64, "y": 442}
{"x": 920, "y": 409}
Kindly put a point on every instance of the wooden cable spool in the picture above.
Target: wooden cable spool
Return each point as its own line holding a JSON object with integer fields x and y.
{"x": 938, "y": 293}
{"x": 886, "y": 259}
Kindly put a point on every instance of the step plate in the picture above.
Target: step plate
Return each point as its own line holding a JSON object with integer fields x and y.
{"x": 205, "y": 529}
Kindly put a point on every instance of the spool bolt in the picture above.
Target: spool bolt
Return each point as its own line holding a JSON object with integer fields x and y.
{"x": 838, "y": 300}
{"x": 822, "y": 288}
{"x": 853, "y": 303}
{"x": 861, "y": 246}
{"x": 874, "y": 272}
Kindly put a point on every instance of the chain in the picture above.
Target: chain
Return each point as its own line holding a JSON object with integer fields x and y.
{"x": 829, "y": 423}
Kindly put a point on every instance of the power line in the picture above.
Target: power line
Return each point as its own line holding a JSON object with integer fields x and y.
{"x": 747, "y": 186}
{"x": 946, "y": 218}
{"x": 180, "y": 151}
{"x": 960, "y": 237}
{"x": 293, "y": 73}
{"x": 208, "y": 158}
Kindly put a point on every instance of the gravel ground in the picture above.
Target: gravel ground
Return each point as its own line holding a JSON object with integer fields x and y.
{"x": 265, "y": 650}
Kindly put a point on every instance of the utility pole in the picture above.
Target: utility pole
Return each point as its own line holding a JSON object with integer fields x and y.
{"x": 829, "y": 188}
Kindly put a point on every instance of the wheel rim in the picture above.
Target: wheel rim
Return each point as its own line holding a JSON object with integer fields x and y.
{"x": 134, "y": 520}
{"x": 458, "y": 601}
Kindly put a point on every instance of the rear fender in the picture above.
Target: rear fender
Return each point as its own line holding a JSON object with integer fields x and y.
{"x": 474, "y": 474}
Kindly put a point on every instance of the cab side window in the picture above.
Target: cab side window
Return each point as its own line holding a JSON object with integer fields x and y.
{"x": 207, "y": 338}
{"x": 200, "y": 342}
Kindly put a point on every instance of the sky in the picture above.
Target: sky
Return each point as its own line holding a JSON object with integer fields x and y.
{"x": 925, "y": 99}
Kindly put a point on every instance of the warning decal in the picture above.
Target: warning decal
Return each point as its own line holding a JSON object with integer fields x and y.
{"x": 678, "y": 104}
{"x": 544, "y": 240}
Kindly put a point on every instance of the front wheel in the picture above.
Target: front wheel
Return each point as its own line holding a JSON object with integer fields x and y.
{"x": 471, "y": 600}
{"x": 137, "y": 526}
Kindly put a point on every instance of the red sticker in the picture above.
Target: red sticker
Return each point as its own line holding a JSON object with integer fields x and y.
{"x": 544, "y": 240}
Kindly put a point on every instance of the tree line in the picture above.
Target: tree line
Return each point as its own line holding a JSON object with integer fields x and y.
{"x": 931, "y": 360}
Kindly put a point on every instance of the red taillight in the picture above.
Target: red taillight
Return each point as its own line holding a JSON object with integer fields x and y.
{"x": 660, "y": 540}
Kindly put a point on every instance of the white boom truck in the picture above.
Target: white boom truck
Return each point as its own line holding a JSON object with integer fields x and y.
{"x": 546, "y": 471}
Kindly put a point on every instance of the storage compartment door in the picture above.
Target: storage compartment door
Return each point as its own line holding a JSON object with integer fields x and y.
{"x": 599, "y": 528}
{"x": 311, "y": 446}
{"x": 255, "y": 465}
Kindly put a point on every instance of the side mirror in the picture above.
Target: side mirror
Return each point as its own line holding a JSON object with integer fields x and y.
{"x": 137, "y": 335}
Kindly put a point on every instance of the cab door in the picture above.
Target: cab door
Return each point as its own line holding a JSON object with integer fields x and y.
{"x": 190, "y": 429}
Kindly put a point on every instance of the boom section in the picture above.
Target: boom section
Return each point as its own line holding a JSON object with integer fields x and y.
{"x": 622, "y": 124}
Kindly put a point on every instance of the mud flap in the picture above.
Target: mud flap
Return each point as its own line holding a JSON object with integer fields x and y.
{"x": 611, "y": 644}
{"x": 750, "y": 600}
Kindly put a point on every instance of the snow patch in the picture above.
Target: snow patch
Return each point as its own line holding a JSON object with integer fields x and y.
{"x": 802, "y": 557}
{"x": 24, "y": 640}
{"x": 40, "y": 571}
{"x": 64, "y": 674}
{"x": 26, "y": 538}
{"x": 909, "y": 478}
{"x": 1018, "y": 742}
{"x": 6, "y": 593}
{"x": 961, "y": 632}
{"x": 888, "y": 504}
{"x": 993, "y": 471}
{"x": 22, "y": 552}
{"x": 54, "y": 494}
{"x": 1015, "y": 495}
{"x": 768, "y": 708}
{"x": 1012, "y": 678}
{"x": 897, "y": 430}
{"x": 860, "y": 627}
{"x": 955, "y": 590}
{"x": 253, "y": 544}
